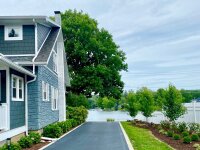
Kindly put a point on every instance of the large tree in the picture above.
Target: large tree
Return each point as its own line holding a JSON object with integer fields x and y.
{"x": 94, "y": 59}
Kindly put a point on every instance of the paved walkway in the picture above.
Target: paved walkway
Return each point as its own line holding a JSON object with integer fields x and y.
{"x": 93, "y": 136}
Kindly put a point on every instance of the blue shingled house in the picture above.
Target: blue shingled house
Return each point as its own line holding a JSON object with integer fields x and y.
{"x": 33, "y": 74}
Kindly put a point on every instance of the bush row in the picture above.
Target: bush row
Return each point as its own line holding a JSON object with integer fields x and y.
{"x": 24, "y": 142}
{"x": 57, "y": 129}
{"x": 188, "y": 132}
{"x": 181, "y": 126}
{"x": 75, "y": 116}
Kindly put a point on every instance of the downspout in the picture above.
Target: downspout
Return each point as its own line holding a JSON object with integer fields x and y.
{"x": 26, "y": 99}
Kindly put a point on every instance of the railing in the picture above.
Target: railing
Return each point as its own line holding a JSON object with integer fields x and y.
{"x": 3, "y": 117}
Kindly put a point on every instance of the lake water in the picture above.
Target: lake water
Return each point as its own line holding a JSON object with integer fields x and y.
{"x": 192, "y": 115}
{"x": 99, "y": 115}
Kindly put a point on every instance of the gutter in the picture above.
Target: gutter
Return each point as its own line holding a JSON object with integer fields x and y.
{"x": 15, "y": 66}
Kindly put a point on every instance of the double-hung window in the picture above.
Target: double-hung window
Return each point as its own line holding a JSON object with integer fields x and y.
{"x": 45, "y": 91}
{"x": 17, "y": 88}
{"x": 54, "y": 98}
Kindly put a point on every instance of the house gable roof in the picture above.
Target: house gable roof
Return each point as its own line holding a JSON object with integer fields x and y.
{"x": 48, "y": 45}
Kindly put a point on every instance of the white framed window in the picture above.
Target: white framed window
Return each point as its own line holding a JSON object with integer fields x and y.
{"x": 13, "y": 33}
{"x": 55, "y": 62}
{"x": 17, "y": 88}
{"x": 54, "y": 98}
{"x": 45, "y": 91}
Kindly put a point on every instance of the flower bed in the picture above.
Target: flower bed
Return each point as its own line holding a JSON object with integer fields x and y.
{"x": 178, "y": 135}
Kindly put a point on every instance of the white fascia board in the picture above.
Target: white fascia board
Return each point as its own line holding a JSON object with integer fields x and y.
{"x": 11, "y": 133}
{"x": 15, "y": 66}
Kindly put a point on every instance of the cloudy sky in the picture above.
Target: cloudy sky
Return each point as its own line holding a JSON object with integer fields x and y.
{"x": 161, "y": 38}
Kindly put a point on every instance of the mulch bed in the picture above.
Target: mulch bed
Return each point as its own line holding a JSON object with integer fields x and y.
{"x": 176, "y": 144}
{"x": 38, "y": 146}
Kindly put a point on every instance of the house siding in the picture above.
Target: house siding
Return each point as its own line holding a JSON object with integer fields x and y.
{"x": 25, "y": 46}
{"x": 40, "y": 112}
{"x": 42, "y": 32}
{"x": 17, "y": 108}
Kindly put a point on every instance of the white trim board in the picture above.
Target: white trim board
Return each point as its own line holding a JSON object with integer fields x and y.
{"x": 12, "y": 133}
{"x": 130, "y": 147}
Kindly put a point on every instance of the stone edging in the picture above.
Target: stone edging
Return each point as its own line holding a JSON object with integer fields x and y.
{"x": 130, "y": 147}
{"x": 60, "y": 137}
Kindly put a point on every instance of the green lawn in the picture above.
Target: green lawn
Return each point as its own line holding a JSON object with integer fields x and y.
{"x": 142, "y": 139}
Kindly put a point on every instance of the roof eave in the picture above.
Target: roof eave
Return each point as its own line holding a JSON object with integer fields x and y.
{"x": 15, "y": 66}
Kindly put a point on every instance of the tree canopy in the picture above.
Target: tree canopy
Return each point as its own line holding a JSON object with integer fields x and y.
{"x": 172, "y": 105}
{"x": 146, "y": 99}
{"x": 94, "y": 59}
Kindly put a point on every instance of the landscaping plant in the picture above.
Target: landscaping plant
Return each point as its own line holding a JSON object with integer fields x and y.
{"x": 185, "y": 133}
{"x": 110, "y": 120}
{"x": 35, "y": 137}
{"x": 165, "y": 124}
{"x": 182, "y": 126}
{"x": 186, "y": 140}
{"x": 52, "y": 131}
{"x": 77, "y": 113}
{"x": 172, "y": 106}
{"x": 194, "y": 137}
{"x": 13, "y": 146}
{"x": 25, "y": 142}
{"x": 176, "y": 137}
{"x": 170, "y": 133}
{"x": 146, "y": 100}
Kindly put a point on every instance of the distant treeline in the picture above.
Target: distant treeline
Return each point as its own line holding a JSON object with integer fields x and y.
{"x": 189, "y": 95}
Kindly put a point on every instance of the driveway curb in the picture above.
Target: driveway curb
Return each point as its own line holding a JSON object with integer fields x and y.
{"x": 61, "y": 137}
{"x": 130, "y": 147}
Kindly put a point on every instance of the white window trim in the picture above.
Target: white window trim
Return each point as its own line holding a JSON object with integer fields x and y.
{"x": 54, "y": 97}
{"x": 47, "y": 91}
{"x": 17, "y": 88}
{"x": 6, "y": 38}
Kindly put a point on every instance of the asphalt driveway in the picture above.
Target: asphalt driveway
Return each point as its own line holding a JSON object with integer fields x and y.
{"x": 93, "y": 136}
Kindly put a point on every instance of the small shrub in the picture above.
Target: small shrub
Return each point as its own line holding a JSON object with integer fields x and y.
{"x": 174, "y": 126}
{"x": 52, "y": 131}
{"x": 165, "y": 124}
{"x": 176, "y": 137}
{"x": 187, "y": 140}
{"x": 182, "y": 126}
{"x": 169, "y": 133}
{"x": 35, "y": 137}
{"x": 110, "y": 120}
{"x": 195, "y": 137}
{"x": 194, "y": 127}
{"x": 13, "y": 146}
{"x": 198, "y": 133}
{"x": 161, "y": 131}
{"x": 25, "y": 142}
{"x": 185, "y": 133}
{"x": 196, "y": 145}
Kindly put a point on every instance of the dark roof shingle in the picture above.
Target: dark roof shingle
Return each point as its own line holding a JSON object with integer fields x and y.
{"x": 46, "y": 49}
